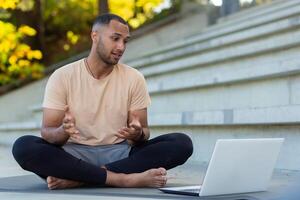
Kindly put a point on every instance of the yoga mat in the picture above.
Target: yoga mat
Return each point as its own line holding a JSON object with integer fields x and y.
{"x": 34, "y": 184}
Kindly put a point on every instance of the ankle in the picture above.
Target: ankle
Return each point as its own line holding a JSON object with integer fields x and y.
{"x": 116, "y": 179}
{"x": 124, "y": 180}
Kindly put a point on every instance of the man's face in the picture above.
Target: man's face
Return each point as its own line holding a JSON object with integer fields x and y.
{"x": 111, "y": 42}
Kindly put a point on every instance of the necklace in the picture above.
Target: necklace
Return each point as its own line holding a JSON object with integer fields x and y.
{"x": 88, "y": 67}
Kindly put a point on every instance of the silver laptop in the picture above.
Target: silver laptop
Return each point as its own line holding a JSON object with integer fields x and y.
{"x": 236, "y": 166}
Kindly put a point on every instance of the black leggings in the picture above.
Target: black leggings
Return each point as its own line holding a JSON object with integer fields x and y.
{"x": 44, "y": 159}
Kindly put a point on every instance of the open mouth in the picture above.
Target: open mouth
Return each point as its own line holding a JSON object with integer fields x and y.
{"x": 117, "y": 55}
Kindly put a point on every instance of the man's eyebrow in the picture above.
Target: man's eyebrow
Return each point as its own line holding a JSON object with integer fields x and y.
{"x": 118, "y": 34}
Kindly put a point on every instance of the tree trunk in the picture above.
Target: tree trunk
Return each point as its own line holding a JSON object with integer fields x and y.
{"x": 230, "y": 6}
{"x": 103, "y": 6}
{"x": 33, "y": 18}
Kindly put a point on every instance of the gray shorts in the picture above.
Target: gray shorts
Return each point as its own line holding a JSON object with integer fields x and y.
{"x": 99, "y": 155}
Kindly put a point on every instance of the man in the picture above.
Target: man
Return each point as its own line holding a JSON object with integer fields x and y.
{"x": 94, "y": 128}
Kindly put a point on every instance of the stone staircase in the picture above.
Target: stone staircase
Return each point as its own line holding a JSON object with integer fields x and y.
{"x": 237, "y": 79}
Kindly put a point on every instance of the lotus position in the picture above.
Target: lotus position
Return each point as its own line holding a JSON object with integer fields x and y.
{"x": 94, "y": 128}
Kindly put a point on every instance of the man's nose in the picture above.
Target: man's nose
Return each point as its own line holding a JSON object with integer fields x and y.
{"x": 121, "y": 46}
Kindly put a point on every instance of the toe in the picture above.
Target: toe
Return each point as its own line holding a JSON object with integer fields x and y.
{"x": 48, "y": 179}
{"x": 161, "y": 178}
{"x": 51, "y": 186}
{"x": 163, "y": 171}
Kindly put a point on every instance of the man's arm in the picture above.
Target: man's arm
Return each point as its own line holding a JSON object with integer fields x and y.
{"x": 52, "y": 130}
{"x": 141, "y": 117}
{"x": 137, "y": 127}
{"x": 58, "y": 126}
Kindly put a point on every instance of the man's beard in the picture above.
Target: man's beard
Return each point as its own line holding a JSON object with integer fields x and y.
{"x": 101, "y": 54}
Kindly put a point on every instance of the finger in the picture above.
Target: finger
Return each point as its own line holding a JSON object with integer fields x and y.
{"x": 125, "y": 133}
{"x": 76, "y": 134}
{"x": 135, "y": 126}
{"x": 77, "y": 137}
{"x": 72, "y": 131}
{"x": 120, "y": 136}
{"x": 68, "y": 125}
{"x": 66, "y": 120}
{"x": 126, "y": 129}
{"x": 121, "y": 130}
{"x": 136, "y": 122}
{"x": 69, "y": 118}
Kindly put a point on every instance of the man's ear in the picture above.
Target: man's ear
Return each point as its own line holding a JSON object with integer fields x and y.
{"x": 94, "y": 36}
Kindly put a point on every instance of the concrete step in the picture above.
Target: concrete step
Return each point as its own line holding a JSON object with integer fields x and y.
{"x": 221, "y": 30}
{"x": 8, "y": 138}
{"x": 202, "y": 75}
{"x": 257, "y": 11}
{"x": 11, "y": 131}
{"x": 36, "y": 111}
{"x": 279, "y": 115}
{"x": 25, "y": 125}
{"x": 288, "y": 114}
{"x": 252, "y": 41}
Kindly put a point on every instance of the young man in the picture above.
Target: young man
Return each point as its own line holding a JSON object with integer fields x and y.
{"x": 94, "y": 128}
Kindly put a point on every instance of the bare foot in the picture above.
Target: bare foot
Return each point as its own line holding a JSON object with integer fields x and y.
{"x": 150, "y": 178}
{"x": 57, "y": 183}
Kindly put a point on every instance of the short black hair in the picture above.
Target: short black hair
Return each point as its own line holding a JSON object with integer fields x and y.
{"x": 106, "y": 18}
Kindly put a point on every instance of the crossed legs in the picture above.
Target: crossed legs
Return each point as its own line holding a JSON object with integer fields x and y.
{"x": 145, "y": 166}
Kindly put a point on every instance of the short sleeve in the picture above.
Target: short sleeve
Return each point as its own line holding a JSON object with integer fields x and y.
{"x": 140, "y": 97}
{"x": 55, "y": 93}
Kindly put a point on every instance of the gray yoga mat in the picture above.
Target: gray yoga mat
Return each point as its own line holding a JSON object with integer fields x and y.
{"x": 34, "y": 184}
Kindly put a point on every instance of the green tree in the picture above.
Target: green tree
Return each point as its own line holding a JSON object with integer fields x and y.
{"x": 17, "y": 60}
{"x": 136, "y": 12}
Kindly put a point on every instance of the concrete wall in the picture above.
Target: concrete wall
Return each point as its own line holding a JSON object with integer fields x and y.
{"x": 204, "y": 138}
{"x": 237, "y": 79}
{"x": 15, "y": 106}
{"x": 191, "y": 20}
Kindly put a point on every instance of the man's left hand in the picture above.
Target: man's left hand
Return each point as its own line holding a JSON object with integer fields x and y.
{"x": 133, "y": 132}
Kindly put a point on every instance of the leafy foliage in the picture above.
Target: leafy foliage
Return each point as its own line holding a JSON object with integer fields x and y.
{"x": 65, "y": 27}
{"x": 17, "y": 60}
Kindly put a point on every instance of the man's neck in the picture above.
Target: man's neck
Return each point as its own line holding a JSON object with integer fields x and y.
{"x": 98, "y": 68}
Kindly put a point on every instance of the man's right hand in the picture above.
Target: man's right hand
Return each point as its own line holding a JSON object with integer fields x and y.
{"x": 69, "y": 124}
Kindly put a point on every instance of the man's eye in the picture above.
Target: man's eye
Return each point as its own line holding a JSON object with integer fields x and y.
{"x": 115, "y": 38}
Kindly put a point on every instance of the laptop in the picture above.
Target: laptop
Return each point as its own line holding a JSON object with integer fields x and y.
{"x": 236, "y": 166}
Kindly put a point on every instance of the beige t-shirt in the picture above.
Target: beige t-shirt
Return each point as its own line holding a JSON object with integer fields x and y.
{"x": 100, "y": 107}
